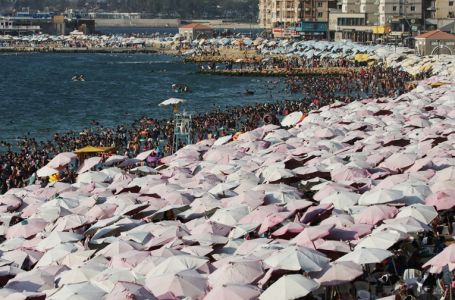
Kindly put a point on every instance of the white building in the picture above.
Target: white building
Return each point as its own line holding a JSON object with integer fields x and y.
{"x": 390, "y": 11}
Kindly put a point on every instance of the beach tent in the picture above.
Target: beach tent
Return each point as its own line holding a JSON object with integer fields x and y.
{"x": 91, "y": 151}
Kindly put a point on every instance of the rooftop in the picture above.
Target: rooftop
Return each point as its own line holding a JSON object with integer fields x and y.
{"x": 196, "y": 26}
{"x": 436, "y": 35}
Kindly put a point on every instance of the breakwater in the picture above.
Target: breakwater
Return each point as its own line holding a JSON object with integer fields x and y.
{"x": 76, "y": 50}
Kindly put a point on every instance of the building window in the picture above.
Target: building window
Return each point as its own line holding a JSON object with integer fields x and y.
{"x": 319, "y": 14}
{"x": 319, "y": 4}
{"x": 413, "y": 8}
{"x": 394, "y": 8}
{"x": 450, "y": 3}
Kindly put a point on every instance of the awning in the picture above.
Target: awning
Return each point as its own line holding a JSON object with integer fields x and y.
{"x": 91, "y": 149}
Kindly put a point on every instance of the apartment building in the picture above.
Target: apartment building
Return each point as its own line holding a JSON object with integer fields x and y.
{"x": 289, "y": 12}
{"x": 405, "y": 12}
{"x": 445, "y": 9}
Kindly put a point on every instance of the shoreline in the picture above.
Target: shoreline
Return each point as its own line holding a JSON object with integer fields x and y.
{"x": 77, "y": 50}
{"x": 282, "y": 72}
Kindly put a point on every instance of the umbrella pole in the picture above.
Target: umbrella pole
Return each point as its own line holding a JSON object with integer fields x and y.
{"x": 394, "y": 266}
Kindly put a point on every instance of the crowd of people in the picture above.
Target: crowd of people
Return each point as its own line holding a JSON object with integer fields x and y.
{"x": 19, "y": 162}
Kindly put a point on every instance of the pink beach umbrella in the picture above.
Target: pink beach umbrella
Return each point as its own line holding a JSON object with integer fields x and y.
{"x": 375, "y": 214}
{"x": 350, "y": 233}
{"x": 289, "y": 228}
{"x": 445, "y": 258}
{"x": 273, "y": 220}
{"x": 237, "y": 271}
{"x": 315, "y": 212}
{"x": 399, "y": 161}
{"x": 339, "y": 272}
{"x": 441, "y": 200}
{"x": 26, "y": 228}
{"x": 233, "y": 292}
{"x": 310, "y": 234}
{"x": 129, "y": 290}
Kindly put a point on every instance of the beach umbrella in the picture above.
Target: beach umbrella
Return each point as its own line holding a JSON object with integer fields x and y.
{"x": 380, "y": 197}
{"x": 292, "y": 119}
{"x": 89, "y": 163}
{"x": 79, "y": 291}
{"x": 405, "y": 224}
{"x": 339, "y": 272}
{"x": 313, "y": 233}
{"x": 92, "y": 177}
{"x": 399, "y": 161}
{"x": 56, "y": 237}
{"x": 206, "y": 239}
{"x": 77, "y": 258}
{"x": 172, "y": 101}
{"x": 423, "y": 213}
{"x": 237, "y": 271}
{"x": 209, "y": 227}
{"x": 144, "y": 155}
{"x": 183, "y": 284}
{"x": 297, "y": 258}
{"x": 342, "y": 199}
{"x": 176, "y": 264}
{"x": 273, "y": 220}
{"x": 289, "y": 228}
{"x": 61, "y": 160}
{"x": 129, "y": 290}
{"x": 233, "y": 292}
{"x": 223, "y": 140}
{"x": 375, "y": 214}
{"x": 26, "y": 228}
{"x": 273, "y": 174}
{"x": 111, "y": 160}
{"x": 229, "y": 216}
{"x": 381, "y": 239}
{"x": 78, "y": 275}
{"x": 445, "y": 258}
{"x": 290, "y": 287}
{"x": 252, "y": 199}
{"x": 363, "y": 256}
{"x": 46, "y": 172}
{"x": 69, "y": 222}
{"x": 340, "y": 220}
{"x": 224, "y": 189}
{"x": 335, "y": 246}
{"x": 441, "y": 200}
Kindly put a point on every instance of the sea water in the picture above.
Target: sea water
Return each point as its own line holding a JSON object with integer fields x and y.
{"x": 38, "y": 96}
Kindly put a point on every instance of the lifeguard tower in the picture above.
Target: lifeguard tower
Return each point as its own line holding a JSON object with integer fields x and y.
{"x": 182, "y": 130}
{"x": 183, "y": 121}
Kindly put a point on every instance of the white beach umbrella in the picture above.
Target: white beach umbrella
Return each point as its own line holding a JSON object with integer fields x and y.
{"x": 61, "y": 160}
{"x": 380, "y": 197}
{"x": 79, "y": 291}
{"x": 363, "y": 256}
{"x": 172, "y": 101}
{"x": 46, "y": 172}
{"x": 290, "y": 287}
{"x": 176, "y": 264}
{"x": 89, "y": 163}
{"x": 297, "y": 258}
{"x": 381, "y": 239}
{"x": 423, "y": 213}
